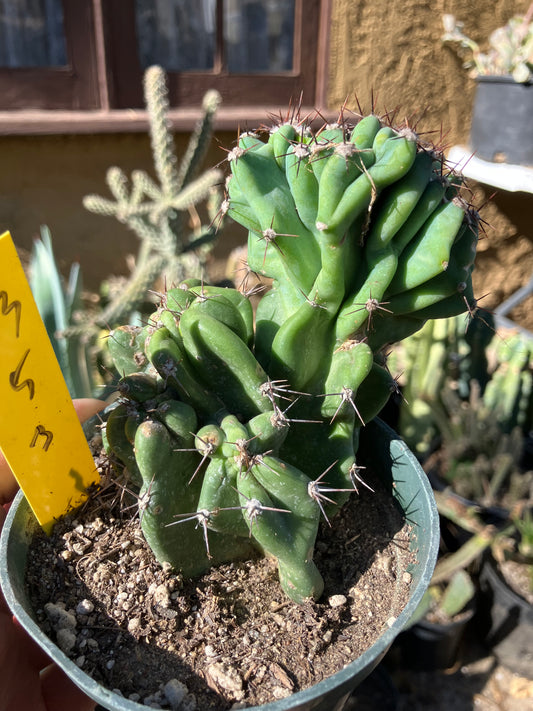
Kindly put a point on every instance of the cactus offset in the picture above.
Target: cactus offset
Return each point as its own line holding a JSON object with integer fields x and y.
{"x": 364, "y": 239}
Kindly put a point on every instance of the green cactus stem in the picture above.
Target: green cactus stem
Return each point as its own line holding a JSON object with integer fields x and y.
{"x": 362, "y": 234}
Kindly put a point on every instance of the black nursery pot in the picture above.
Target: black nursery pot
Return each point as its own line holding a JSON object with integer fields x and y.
{"x": 507, "y": 620}
{"x": 502, "y": 121}
{"x": 430, "y": 646}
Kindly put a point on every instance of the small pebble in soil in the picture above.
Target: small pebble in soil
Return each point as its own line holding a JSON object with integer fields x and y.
{"x": 337, "y": 600}
{"x": 85, "y": 607}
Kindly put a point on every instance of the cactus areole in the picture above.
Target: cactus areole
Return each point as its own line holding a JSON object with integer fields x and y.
{"x": 242, "y": 432}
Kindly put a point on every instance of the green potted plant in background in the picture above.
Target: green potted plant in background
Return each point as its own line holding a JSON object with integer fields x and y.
{"x": 234, "y": 433}
{"x": 489, "y": 579}
{"x": 432, "y": 639}
{"x": 506, "y": 582}
{"x": 474, "y": 423}
{"x": 499, "y": 556}
{"x": 502, "y": 119}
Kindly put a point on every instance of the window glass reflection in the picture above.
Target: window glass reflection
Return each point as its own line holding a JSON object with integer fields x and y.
{"x": 31, "y": 33}
{"x": 258, "y": 35}
{"x": 179, "y": 35}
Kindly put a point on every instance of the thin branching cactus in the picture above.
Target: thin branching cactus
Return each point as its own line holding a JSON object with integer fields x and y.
{"x": 244, "y": 432}
{"x": 169, "y": 250}
{"x": 158, "y": 213}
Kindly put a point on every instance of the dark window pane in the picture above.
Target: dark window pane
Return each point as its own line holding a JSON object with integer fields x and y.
{"x": 258, "y": 35}
{"x": 31, "y": 33}
{"x": 179, "y": 35}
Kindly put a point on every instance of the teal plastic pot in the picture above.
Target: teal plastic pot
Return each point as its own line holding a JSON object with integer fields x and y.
{"x": 429, "y": 646}
{"x": 390, "y": 459}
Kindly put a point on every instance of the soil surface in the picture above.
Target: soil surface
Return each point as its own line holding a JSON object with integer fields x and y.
{"x": 231, "y": 638}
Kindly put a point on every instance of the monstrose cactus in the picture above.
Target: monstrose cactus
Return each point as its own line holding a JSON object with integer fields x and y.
{"x": 242, "y": 434}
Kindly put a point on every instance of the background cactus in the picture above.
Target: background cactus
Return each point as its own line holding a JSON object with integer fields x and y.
{"x": 57, "y": 301}
{"x": 467, "y": 406}
{"x": 510, "y": 47}
{"x": 170, "y": 250}
{"x": 158, "y": 213}
{"x": 450, "y": 353}
{"x": 239, "y": 435}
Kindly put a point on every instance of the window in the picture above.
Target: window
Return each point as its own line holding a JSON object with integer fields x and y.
{"x": 47, "y": 55}
{"x": 90, "y": 54}
{"x": 181, "y": 35}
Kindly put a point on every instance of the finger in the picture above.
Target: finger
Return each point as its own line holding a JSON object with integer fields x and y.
{"x": 8, "y": 483}
{"x": 87, "y": 407}
{"x": 60, "y": 693}
{"x": 20, "y": 691}
{"x": 19, "y": 677}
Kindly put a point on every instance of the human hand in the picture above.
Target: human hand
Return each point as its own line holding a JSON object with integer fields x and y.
{"x": 29, "y": 681}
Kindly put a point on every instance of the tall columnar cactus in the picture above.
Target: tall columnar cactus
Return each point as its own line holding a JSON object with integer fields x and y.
{"x": 443, "y": 352}
{"x": 242, "y": 434}
{"x": 465, "y": 384}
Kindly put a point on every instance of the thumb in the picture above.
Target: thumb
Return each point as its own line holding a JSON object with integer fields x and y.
{"x": 87, "y": 407}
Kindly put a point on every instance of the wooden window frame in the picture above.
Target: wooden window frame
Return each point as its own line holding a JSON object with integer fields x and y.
{"x": 101, "y": 89}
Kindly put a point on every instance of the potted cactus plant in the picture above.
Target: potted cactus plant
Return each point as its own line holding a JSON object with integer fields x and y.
{"x": 500, "y": 557}
{"x": 435, "y": 633}
{"x": 475, "y": 423}
{"x": 236, "y": 431}
{"x": 502, "y": 124}
{"x": 506, "y": 582}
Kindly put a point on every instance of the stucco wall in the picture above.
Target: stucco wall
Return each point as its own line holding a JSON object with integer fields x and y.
{"x": 394, "y": 51}
{"x": 391, "y": 51}
{"x": 43, "y": 180}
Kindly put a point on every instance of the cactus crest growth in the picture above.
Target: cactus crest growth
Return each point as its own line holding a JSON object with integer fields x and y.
{"x": 242, "y": 433}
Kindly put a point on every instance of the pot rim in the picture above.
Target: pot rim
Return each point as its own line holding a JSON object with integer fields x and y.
{"x": 500, "y": 79}
{"x": 496, "y": 578}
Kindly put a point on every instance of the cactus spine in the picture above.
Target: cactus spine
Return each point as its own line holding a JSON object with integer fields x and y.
{"x": 346, "y": 221}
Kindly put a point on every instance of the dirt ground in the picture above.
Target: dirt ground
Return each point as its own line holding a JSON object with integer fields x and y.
{"x": 482, "y": 685}
{"x": 504, "y": 261}
{"x": 477, "y": 683}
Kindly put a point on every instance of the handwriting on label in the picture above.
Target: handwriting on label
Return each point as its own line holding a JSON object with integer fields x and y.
{"x": 40, "y": 434}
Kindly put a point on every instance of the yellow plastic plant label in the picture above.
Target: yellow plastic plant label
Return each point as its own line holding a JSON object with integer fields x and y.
{"x": 40, "y": 434}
